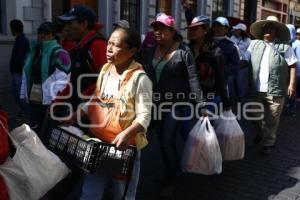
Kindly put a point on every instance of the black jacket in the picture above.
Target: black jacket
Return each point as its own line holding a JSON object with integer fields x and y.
{"x": 179, "y": 80}
{"x": 213, "y": 55}
{"x": 19, "y": 53}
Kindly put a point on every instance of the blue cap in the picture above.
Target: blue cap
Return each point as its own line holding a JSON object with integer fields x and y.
{"x": 199, "y": 20}
{"x": 223, "y": 21}
{"x": 79, "y": 12}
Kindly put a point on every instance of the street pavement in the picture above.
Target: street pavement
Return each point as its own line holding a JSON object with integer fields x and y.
{"x": 256, "y": 177}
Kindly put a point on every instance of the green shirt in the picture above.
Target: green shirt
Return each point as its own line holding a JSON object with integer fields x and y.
{"x": 158, "y": 67}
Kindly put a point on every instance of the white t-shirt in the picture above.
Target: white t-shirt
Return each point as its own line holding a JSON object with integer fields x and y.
{"x": 263, "y": 78}
{"x": 111, "y": 87}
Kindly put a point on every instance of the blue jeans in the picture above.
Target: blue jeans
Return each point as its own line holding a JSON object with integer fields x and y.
{"x": 292, "y": 100}
{"x": 298, "y": 87}
{"x": 94, "y": 184}
{"x": 16, "y": 87}
{"x": 168, "y": 131}
{"x": 242, "y": 83}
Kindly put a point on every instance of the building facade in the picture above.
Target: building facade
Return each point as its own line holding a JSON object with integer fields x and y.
{"x": 138, "y": 12}
{"x": 278, "y": 8}
{"x": 294, "y": 12}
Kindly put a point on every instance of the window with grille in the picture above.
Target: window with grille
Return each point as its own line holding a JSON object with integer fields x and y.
{"x": 130, "y": 11}
{"x": 220, "y": 8}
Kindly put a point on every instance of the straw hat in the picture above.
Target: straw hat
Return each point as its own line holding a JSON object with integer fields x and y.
{"x": 256, "y": 29}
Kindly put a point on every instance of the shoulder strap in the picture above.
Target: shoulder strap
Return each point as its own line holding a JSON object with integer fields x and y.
{"x": 90, "y": 42}
{"x": 8, "y": 134}
{"x": 86, "y": 51}
{"x": 101, "y": 75}
{"x": 135, "y": 75}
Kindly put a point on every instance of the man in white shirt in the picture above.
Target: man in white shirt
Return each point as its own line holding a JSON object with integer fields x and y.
{"x": 273, "y": 75}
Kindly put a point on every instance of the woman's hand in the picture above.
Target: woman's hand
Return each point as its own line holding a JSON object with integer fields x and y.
{"x": 122, "y": 140}
{"x": 291, "y": 90}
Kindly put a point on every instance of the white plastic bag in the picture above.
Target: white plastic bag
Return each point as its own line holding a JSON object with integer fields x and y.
{"x": 33, "y": 170}
{"x": 230, "y": 136}
{"x": 201, "y": 153}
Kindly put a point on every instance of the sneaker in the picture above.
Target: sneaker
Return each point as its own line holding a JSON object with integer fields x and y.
{"x": 267, "y": 150}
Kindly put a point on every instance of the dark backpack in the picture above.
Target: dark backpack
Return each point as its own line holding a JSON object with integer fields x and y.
{"x": 204, "y": 62}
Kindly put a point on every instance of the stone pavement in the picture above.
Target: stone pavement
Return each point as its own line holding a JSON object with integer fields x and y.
{"x": 257, "y": 177}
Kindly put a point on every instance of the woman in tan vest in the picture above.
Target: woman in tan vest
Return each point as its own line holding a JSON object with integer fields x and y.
{"x": 119, "y": 111}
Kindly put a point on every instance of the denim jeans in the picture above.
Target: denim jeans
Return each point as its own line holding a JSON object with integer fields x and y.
{"x": 16, "y": 86}
{"x": 168, "y": 130}
{"x": 292, "y": 101}
{"x": 298, "y": 87}
{"x": 94, "y": 184}
{"x": 242, "y": 83}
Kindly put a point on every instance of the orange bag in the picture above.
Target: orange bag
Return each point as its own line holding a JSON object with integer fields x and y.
{"x": 105, "y": 114}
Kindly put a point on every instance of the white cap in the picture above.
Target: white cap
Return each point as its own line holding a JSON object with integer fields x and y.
{"x": 298, "y": 30}
{"x": 240, "y": 26}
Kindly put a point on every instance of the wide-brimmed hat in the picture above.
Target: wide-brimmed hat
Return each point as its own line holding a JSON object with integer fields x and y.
{"x": 256, "y": 29}
{"x": 199, "y": 20}
{"x": 166, "y": 20}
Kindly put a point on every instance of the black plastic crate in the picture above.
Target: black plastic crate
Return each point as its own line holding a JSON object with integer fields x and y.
{"x": 91, "y": 156}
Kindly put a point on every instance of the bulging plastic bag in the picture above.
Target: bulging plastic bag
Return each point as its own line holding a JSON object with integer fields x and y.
{"x": 33, "y": 170}
{"x": 230, "y": 136}
{"x": 201, "y": 153}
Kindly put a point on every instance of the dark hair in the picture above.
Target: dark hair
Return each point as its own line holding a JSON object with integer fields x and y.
{"x": 91, "y": 22}
{"x": 209, "y": 42}
{"x": 177, "y": 36}
{"x": 244, "y": 35}
{"x": 16, "y": 25}
{"x": 47, "y": 27}
{"x": 133, "y": 39}
{"x": 86, "y": 14}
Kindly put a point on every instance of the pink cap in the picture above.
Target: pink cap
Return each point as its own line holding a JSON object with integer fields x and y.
{"x": 165, "y": 20}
